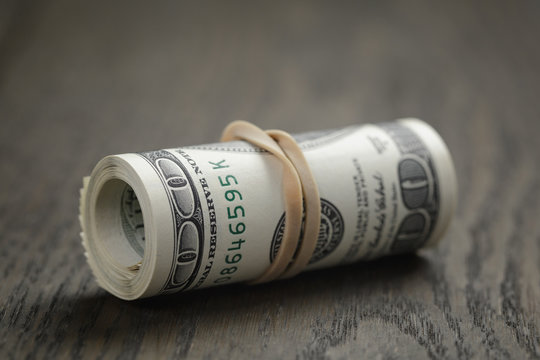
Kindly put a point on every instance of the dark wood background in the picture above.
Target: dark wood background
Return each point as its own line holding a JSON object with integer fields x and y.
{"x": 81, "y": 80}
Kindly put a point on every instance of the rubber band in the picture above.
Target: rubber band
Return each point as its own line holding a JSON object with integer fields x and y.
{"x": 299, "y": 191}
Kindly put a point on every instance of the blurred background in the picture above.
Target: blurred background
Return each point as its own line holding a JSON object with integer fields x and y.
{"x": 82, "y": 80}
{"x": 170, "y": 73}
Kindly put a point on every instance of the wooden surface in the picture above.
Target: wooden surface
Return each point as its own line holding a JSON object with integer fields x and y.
{"x": 81, "y": 81}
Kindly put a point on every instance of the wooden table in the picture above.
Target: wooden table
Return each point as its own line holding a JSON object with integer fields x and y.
{"x": 79, "y": 81}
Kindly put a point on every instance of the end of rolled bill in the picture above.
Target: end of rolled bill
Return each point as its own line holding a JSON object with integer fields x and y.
{"x": 121, "y": 222}
{"x": 446, "y": 174}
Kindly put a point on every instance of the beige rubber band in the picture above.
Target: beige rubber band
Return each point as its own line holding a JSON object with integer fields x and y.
{"x": 312, "y": 202}
{"x": 299, "y": 187}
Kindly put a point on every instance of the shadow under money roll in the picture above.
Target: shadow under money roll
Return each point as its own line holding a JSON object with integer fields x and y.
{"x": 173, "y": 220}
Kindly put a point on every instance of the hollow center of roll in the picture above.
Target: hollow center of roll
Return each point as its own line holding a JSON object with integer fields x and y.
{"x": 120, "y": 222}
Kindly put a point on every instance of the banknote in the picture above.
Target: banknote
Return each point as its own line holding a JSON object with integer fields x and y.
{"x": 180, "y": 219}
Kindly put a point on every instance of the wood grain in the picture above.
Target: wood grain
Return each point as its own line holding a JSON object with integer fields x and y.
{"x": 79, "y": 81}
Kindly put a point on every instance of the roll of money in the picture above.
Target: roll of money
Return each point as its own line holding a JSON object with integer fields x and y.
{"x": 166, "y": 221}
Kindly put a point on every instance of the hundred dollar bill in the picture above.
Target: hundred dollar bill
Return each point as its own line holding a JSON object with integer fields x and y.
{"x": 172, "y": 220}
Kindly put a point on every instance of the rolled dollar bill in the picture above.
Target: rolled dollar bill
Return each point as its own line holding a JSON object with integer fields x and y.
{"x": 173, "y": 220}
